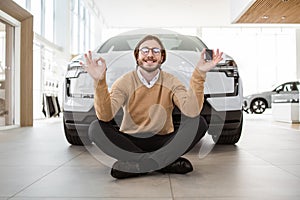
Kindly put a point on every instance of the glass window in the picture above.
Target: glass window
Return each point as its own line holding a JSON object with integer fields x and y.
{"x": 7, "y": 104}
{"x": 298, "y": 86}
{"x": 257, "y": 52}
{"x": 80, "y": 27}
{"x": 87, "y": 30}
{"x": 82, "y": 10}
{"x": 288, "y": 87}
{"x": 75, "y": 34}
{"x": 74, "y": 27}
{"x": 36, "y": 11}
{"x": 21, "y": 3}
{"x": 49, "y": 19}
{"x": 83, "y": 31}
{"x": 74, "y": 6}
{"x": 279, "y": 88}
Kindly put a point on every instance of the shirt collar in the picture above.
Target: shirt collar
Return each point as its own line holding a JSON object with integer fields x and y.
{"x": 144, "y": 81}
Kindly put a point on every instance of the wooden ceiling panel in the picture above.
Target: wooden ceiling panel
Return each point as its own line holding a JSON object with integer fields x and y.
{"x": 272, "y": 11}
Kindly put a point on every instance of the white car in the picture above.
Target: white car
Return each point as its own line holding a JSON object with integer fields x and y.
{"x": 223, "y": 87}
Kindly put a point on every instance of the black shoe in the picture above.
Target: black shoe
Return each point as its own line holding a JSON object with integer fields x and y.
{"x": 179, "y": 166}
{"x": 125, "y": 169}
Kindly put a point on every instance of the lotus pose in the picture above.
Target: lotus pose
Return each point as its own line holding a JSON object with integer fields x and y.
{"x": 146, "y": 140}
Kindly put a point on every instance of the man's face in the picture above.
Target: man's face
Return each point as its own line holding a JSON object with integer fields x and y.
{"x": 149, "y": 57}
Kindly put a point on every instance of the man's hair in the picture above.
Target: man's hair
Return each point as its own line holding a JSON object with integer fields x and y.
{"x": 150, "y": 37}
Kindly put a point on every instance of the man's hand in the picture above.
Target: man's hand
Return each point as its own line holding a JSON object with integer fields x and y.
{"x": 95, "y": 70}
{"x": 204, "y": 65}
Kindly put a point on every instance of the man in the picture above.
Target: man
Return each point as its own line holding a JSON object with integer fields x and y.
{"x": 147, "y": 140}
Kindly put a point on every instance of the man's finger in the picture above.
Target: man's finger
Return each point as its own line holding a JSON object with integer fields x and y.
{"x": 84, "y": 67}
{"x": 101, "y": 59}
{"x": 87, "y": 60}
{"x": 90, "y": 55}
{"x": 103, "y": 63}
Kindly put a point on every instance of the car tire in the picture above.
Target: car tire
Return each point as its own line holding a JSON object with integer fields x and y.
{"x": 73, "y": 137}
{"x": 258, "y": 106}
{"x": 229, "y": 137}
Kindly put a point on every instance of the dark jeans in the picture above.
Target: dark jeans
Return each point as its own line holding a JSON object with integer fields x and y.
{"x": 164, "y": 149}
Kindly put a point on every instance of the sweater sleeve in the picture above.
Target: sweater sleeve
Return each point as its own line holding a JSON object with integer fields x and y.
{"x": 190, "y": 102}
{"x": 108, "y": 103}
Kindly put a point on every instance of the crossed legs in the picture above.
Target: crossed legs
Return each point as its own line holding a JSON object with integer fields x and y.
{"x": 150, "y": 152}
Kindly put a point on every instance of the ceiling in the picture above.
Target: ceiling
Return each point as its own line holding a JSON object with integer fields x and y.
{"x": 164, "y": 13}
{"x": 272, "y": 11}
{"x": 194, "y": 13}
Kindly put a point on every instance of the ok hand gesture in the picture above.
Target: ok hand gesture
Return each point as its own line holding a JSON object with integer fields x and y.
{"x": 204, "y": 65}
{"x": 95, "y": 70}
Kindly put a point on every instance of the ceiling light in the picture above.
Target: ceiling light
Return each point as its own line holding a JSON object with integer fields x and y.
{"x": 284, "y": 0}
{"x": 283, "y": 17}
{"x": 265, "y": 17}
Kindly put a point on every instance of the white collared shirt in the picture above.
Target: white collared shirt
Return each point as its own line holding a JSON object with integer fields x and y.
{"x": 144, "y": 81}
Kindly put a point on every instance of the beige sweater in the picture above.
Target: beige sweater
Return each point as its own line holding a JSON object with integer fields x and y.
{"x": 149, "y": 109}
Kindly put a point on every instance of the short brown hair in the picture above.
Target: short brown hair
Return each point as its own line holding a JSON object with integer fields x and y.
{"x": 150, "y": 37}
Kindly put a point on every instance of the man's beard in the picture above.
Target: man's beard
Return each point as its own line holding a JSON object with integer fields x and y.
{"x": 151, "y": 69}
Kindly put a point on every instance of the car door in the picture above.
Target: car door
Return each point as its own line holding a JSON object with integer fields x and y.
{"x": 289, "y": 92}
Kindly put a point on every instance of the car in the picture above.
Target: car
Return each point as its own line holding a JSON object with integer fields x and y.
{"x": 259, "y": 102}
{"x": 223, "y": 90}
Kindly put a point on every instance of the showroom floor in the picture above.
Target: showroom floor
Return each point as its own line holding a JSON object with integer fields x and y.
{"x": 37, "y": 163}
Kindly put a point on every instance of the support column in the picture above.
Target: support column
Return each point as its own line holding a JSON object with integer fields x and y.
{"x": 15, "y": 11}
{"x": 26, "y": 72}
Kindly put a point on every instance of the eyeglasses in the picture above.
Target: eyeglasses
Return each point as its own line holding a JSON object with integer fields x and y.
{"x": 146, "y": 50}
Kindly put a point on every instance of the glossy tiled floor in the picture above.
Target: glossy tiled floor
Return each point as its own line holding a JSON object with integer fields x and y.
{"x": 37, "y": 163}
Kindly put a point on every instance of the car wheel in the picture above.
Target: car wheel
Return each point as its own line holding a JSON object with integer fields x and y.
{"x": 258, "y": 106}
{"x": 73, "y": 137}
{"x": 229, "y": 136}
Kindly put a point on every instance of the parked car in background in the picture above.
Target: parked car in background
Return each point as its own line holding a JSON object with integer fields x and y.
{"x": 259, "y": 102}
{"x": 223, "y": 87}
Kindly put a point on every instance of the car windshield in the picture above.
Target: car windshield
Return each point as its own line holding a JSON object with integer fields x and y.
{"x": 170, "y": 41}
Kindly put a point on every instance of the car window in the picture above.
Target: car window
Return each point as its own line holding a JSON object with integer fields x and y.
{"x": 298, "y": 86}
{"x": 170, "y": 41}
{"x": 288, "y": 87}
{"x": 279, "y": 88}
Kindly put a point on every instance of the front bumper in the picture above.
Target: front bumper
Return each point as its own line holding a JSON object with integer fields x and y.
{"x": 228, "y": 120}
